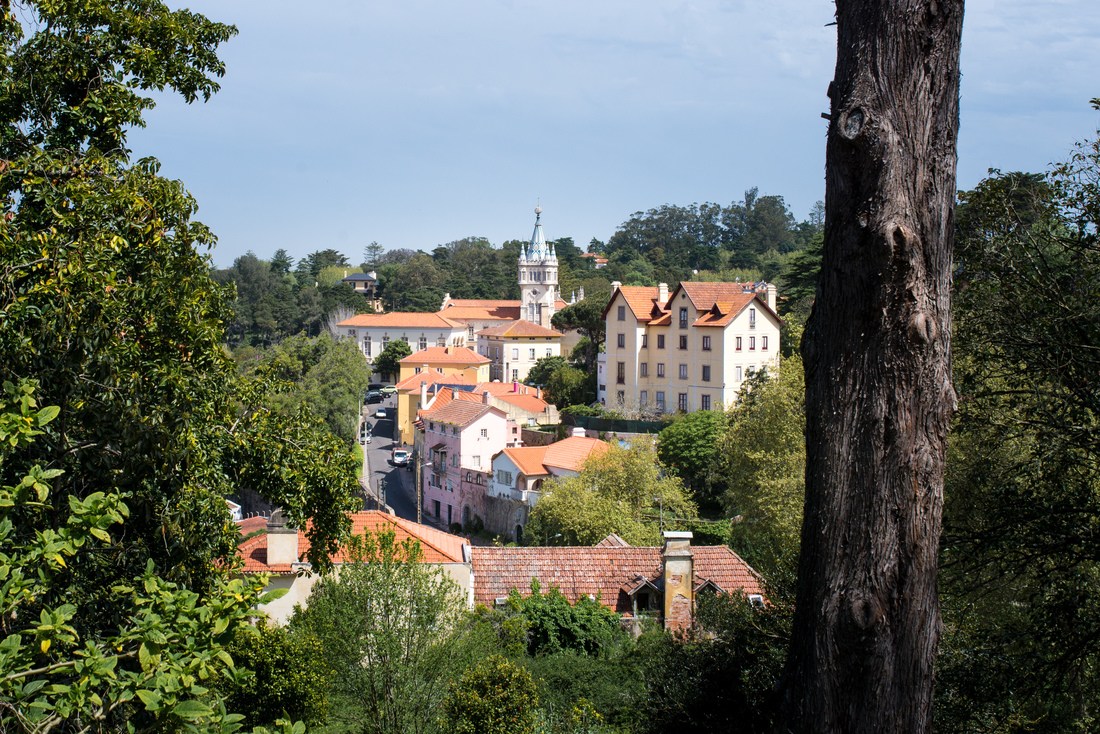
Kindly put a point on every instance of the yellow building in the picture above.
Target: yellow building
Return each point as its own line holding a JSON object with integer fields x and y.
{"x": 448, "y": 361}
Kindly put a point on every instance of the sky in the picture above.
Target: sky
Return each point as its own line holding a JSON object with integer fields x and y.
{"x": 414, "y": 123}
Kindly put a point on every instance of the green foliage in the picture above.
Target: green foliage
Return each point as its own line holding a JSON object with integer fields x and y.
{"x": 542, "y": 370}
{"x": 689, "y": 448}
{"x": 763, "y": 467}
{"x": 150, "y": 673}
{"x": 495, "y": 696}
{"x": 722, "y": 677}
{"x": 622, "y": 491}
{"x": 395, "y": 635}
{"x": 1020, "y": 575}
{"x": 286, "y": 677}
{"x": 387, "y": 363}
{"x": 552, "y": 625}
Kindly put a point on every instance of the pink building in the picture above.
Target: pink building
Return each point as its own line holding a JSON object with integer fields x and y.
{"x": 456, "y": 448}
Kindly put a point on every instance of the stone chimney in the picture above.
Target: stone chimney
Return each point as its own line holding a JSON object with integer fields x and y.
{"x": 616, "y": 284}
{"x": 423, "y": 393}
{"x": 282, "y": 540}
{"x": 679, "y": 580}
{"x": 578, "y": 431}
{"x": 771, "y": 296}
{"x": 662, "y": 293}
{"x": 487, "y": 398}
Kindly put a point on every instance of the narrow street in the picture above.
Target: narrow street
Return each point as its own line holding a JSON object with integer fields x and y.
{"x": 394, "y": 485}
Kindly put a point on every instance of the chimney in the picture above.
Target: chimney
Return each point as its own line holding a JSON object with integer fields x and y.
{"x": 616, "y": 284}
{"x": 423, "y": 393}
{"x": 282, "y": 540}
{"x": 662, "y": 293}
{"x": 771, "y": 296}
{"x": 679, "y": 580}
{"x": 486, "y": 398}
{"x": 578, "y": 431}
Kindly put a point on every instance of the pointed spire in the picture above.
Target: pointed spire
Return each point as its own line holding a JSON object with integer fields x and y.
{"x": 538, "y": 241}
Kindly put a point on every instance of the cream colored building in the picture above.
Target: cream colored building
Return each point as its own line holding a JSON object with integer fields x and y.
{"x": 514, "y": 348}
{"x": 686, "y": 350}
{"x": 373, "y": 331}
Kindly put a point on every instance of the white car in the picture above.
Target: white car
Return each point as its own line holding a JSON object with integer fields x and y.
{"x": 380, "y": 413}
{"x": 400, "y": 457}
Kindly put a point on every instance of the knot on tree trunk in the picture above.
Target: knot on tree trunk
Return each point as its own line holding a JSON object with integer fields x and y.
{"x": 851, "y": 123}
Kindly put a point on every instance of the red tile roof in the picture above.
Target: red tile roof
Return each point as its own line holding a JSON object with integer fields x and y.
{"x": 458, "y": 412}
{"x": 465, "y": 309}
{"x": 412, "y": 383}
{"x": 445, "y": 355}
{"x": 528, "y": 459}
{"x": 703, "y": 295}
{"x": 520, "y": 329}
{"x": 571, "y": 453}
{"x": 605, "y": 571}
{"x": 436, "y": 545}
{"x": 400, "y": 319}
{"x": 640, "y": 298}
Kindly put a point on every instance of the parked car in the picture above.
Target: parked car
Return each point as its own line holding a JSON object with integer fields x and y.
{"x": 374, "y": 396}
{"x": 380, "y": 414}
{"x": 389, "y": 390}
{"x": 400, "y": 457}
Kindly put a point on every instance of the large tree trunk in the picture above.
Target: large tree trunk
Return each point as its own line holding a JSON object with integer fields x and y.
{"x": 878, "y": 379}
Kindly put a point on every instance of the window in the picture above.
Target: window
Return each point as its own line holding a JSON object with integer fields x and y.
{"x": 682, "y": 402}
{"x": 454, "y": 432}
{"x": 549, "y": 352}
{"x": 683, "y": 342}
{"x": 704, "y": 402}
{"x": 477, "y": 461}
{"x": 737, "y": 374}
{"x": 764, "y": 343}
{"x": 515, "y": 375}
{"x": 531, "y": 354}
{"x": 643, "y": 369}
{"x": 441, "y": 341}
{"x": 683, "y": 372}
{"x": 645, "y": 340}
{"x": 435, "y": 506}
{"x": 366, "y": 345}
{"x": 661, "y": 400}
{"x": 660, "y": 369}
{"x": 470, "y": 332}
{"x": 454, "y": 460}
{"x": 469, "y": 476}
{"x": 643, "y": 398}
{"x": 706, "y": 373}
{"x": 752, "y": 318}
{"x": 737, "y": 343}
{"x": 620, "y": 341}
{"x": 416, "y": 370}
{"x": 431, "y": 425}
{"x": 484, "y": 432}
{"x": 660, "y": 341}
{"x": 621, "y": 313}
{"x": 752, "y": 343}
{"x": 351, "y": 332}
{"x": 504, "y": 477}
{"x": 423, "y": 343}
{"x": 620, "y": 396}
{"x": 515, "y": 353}
{"x": 385, "y": 341}
{"x": 683, "y": 318}
{"x": 620, "y": 373}
{"x": 706, "y": 343}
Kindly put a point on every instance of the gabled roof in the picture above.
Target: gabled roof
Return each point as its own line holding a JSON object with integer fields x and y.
{"x": 518, "y": 329}
{"x": 436, "y": 545}
{"x": 703, "y": 295}
{"x": 640, "y": 298}
{"x": 525, "y": 401}
{"x": 571, "y": 453}
{"x": 722, "y": 313}
{"x": 400, "y": 320}
{"x": 445, "y": 355}
{"x": 608, "y": 572}
{"x": 459, "y": 413}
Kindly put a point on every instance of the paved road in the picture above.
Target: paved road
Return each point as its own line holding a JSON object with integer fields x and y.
{"x": 400, "y": 489}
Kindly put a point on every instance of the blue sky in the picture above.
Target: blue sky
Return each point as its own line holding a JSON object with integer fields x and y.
{"x": 416, "y": 122}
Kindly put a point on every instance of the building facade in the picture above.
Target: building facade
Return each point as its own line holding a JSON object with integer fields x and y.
{"x": 688, "y": 349}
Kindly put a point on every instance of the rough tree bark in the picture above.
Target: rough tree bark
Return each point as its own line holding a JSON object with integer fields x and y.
{"x": 878, "y": 379}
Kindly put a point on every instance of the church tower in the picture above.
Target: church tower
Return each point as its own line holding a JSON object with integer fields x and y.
{"x": 538, "y": 277}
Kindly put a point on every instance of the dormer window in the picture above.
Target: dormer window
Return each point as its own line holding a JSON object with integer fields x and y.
{"x": 683, "y": 318}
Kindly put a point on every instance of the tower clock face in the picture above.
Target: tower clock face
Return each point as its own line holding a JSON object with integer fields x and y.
{"x": 534, "y": 294}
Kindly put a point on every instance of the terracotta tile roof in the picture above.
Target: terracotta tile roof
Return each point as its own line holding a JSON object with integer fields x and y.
{"x": 437, "y": 546}
{"x": 400, "y": 319}
{"x": 412, "y": 383}
{"x": 571, "y": 453}
{"x": 520, "y": 329}
{"x": 640, "y": 298}
{"x": 502, "y": 388}
{"x": 459, "y": 413}
{"x": 722, "y": 313}
{"x": 605, "y": 571}
{"x": 492, "y": 311}
{"x": 528, "y": 459}
{"x": 703, "y": 295}
{"x": 445, "y": 355}
{"x": 482, "y": 303}
{"x": 526, "y": 402}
